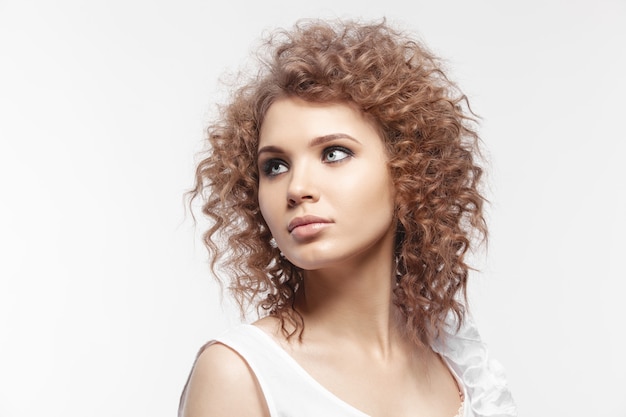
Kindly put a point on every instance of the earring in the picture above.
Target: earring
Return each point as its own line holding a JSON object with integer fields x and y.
{"x": 275, "y": 245}
{"x": 396, "y": 270}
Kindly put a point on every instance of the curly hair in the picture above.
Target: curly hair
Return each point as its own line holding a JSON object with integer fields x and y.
{"x": 428, "y": 129}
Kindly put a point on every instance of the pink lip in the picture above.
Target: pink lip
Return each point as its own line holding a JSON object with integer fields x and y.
{"x": 304, "y": 220}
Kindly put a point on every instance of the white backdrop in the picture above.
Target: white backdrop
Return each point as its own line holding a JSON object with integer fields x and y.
{"x": 105, "y": 294}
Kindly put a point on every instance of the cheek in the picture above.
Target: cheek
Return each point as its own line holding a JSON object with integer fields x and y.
{"x": 372, "y": 189}
{"x": 381, "y": 199}
{"x": 267, "y": 205}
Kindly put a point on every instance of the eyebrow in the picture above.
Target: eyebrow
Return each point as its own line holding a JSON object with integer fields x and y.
{"x": 320, "y": 140}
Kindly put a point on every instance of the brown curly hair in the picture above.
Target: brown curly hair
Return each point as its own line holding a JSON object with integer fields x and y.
{"x": 427, "y": 127}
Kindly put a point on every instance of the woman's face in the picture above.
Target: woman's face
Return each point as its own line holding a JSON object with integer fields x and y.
{"x": 324, "y": 189}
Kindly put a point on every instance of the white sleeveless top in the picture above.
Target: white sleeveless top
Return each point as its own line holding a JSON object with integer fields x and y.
{"x": 290, "y": 391}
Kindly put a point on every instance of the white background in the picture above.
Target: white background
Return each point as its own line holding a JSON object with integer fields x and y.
{"x": 105, "y": 294}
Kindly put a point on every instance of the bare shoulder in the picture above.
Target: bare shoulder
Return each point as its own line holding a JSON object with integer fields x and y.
{"x": 271, "y": 325}
{"x": 222, "y": 384}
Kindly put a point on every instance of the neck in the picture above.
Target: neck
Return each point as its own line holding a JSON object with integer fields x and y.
{"x": 352, "y": 303}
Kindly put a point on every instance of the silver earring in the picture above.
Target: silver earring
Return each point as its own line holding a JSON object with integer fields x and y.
{"x": 273, "y": 243}
{"x": 396, "y": 271}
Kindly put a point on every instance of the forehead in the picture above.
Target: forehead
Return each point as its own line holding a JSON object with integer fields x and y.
{"x": 290, "y": 119}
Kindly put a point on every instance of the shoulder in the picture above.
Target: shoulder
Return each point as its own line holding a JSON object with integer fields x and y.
{"x": 222, "y": 384}
{"x": 272, "y": 326}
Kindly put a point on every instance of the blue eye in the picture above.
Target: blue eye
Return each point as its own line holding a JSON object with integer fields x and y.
{"x": 336, "y": 154}
{"x": 274, "y": 167}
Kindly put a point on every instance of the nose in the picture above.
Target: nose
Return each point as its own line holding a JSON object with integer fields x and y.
{"x": 302, "y": 187}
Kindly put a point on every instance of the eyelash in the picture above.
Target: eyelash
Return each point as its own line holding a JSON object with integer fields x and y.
{"x": 271, "y": 163}
{"x": 274, "y": 162}
{"x": 330, "y": 149}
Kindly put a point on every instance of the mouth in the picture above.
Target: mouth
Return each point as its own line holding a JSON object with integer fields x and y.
{"x": 306, "y": 220}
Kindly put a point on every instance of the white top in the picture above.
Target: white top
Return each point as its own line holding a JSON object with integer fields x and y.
{"x": 292, "y": 392}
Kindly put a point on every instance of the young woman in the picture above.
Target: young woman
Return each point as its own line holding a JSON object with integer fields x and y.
{"x": 344, "y": 195}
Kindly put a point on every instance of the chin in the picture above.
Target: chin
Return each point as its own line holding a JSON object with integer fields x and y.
{"x": 316, "y": 261}
{"x": 308, "y": 264}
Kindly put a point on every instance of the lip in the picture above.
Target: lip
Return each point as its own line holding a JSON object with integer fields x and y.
{"x": 306, "y": 220}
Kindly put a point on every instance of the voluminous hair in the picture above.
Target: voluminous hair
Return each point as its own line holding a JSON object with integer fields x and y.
{"x": 428, "y": 131}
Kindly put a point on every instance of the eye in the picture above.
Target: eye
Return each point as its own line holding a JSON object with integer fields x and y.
{"x": 336, "y": 154}
{"x": 274, "y": 167}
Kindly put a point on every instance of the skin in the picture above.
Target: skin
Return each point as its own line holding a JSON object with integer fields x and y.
{"x": 328, "y": 160}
